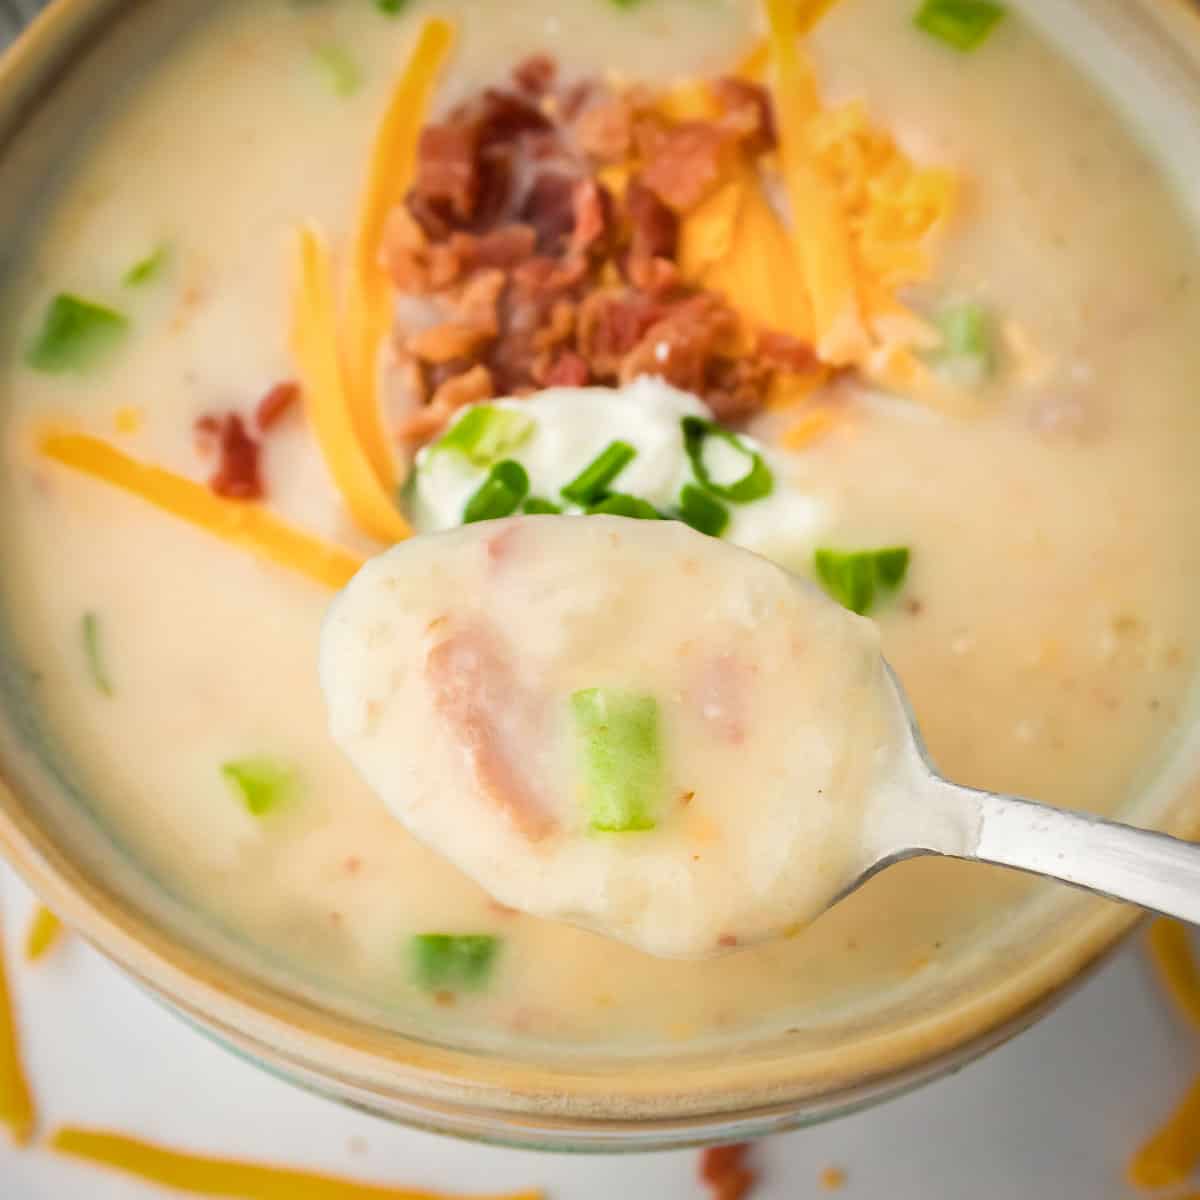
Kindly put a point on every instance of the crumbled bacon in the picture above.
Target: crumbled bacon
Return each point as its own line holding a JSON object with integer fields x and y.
{"x": 276, "y": 404}
{"x": 604, "y": 132}
{"x": 237, "y": 476}
{"x": 786, "y": 352}
{"x": 724, "y": 1170}
{"x": 532, "y": 274}
{"x": 747, "y": 111}
{"x": 685, "y": 163}
{"x": 536, "y": 75}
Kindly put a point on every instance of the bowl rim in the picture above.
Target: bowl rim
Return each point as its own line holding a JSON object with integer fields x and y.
{"x": 476, "y": 1095}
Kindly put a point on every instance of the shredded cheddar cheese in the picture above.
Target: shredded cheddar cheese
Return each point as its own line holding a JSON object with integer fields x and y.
{"x": 16, "y": 1101}
{"x": 1171, "y": 1154}
{"x": 44, "y": 931}
{"x": 1171, "y": 953}
{"x": 810, "y": 428}
{"x": 221, "y": 1177}
{"x": 315, "y": 345}
{"x": 393, "y": 162}
{"x": 242, "y": 524}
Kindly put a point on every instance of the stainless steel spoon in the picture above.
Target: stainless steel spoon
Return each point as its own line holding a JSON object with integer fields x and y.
{"x": 1116, "y": 861}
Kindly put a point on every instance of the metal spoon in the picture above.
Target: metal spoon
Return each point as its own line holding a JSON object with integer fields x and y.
{"x": 1116, "y": 861}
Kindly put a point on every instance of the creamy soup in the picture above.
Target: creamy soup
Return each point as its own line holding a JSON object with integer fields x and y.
{"x": 1008, "y": 396}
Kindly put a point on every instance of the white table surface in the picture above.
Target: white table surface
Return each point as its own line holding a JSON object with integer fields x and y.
{"x": 1052, "y": 1116}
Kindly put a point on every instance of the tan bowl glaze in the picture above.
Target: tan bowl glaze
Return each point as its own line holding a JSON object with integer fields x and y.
{"x": 50, "y": 83}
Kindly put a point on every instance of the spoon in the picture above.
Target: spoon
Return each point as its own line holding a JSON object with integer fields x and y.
{"x": 1108, "y": 858}
{"x": 632, "y": 727}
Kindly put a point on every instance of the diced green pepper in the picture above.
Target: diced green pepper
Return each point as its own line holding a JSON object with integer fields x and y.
{"x": 262, "y": 783}
{"x": 701, "y": 511}
{"x": 446, "y": 962}
{"x": 484, "y": 434}
{"x": 499, "y": 495}
{"x": 854, "y": 578}
{"x": 75, "y": 335}
{"x": 756, "y": 483}
{"x": 591, "y": 484}
{"x": 962, "y": 24}
{"x": 621, "y": 504}
{"x": 618, "y": 742}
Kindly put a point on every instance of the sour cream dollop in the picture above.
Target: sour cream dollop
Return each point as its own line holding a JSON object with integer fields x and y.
{"x": 621, "y": 724}
{"x": 564, "y": 430}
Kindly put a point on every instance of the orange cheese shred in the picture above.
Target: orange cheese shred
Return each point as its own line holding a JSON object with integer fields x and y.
{"x": 241, "y": 524}
{"x": 315, "y": 347}
{"x": 16, "y": 1100}
{"x": 389, "y": 176}
{"x": 1171, "y": 1154}
{"x": 220, "y": 1177}
{"x": 44, "y": 931}
{"x": 1175, "y": 965}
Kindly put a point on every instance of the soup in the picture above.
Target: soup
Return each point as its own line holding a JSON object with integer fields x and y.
{"x": 1036, "y": 462}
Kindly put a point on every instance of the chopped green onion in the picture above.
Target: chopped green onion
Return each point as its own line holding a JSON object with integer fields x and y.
{"x": 963, "y": 24}
{"x": 701, "y": 511}
{"x": 854, "y": 578}
{"x": 94, "y": 653}
{"x": 341, "y": 71}
{"x": 391, "y": 7}
{"x": 147, "y": 269}
{"x": 484, "y": 434}
{"x": 617, "y": 735}
{"x": 621, "y": 504}
{"x": 499, "y": 495}
{"x": 262, "y": 783}
{"x": 446, "y": 962}
{"x": 591, "y": 484}
{"x": 75, "y": 335}
{"x": 538, "y": 506}
{"x": 966, "y": 356}
{"x": 755, "y": 483}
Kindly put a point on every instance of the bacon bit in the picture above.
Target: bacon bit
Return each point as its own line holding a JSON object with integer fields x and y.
{"x": 458, "y": 391}
{"x": 446, "y": 342}
{"x": 723, "y": 1169}
{"x": 736, "y": 389}
{"x": 503, "y": 248}
{"x": 592, "y": 214}
{"x": 447, "y": 167}
{"x": 654, "y": 227}
{"x": 727, "y": 940}
{"x": 558, "y": 329}
{"x": 550, "y": 209}
{"x": 536, "y": 75}
{"x": 237, "y": 476}
{"x": 786, "y": 352}
{"x": 747, "y": 112}
{"x": 567, "y": 370}
{"x": 472, "y": 686}
{"x": 657, "y": 277}
{"x": 604, "y": 132}
{"x": 276, "y": 404}
{"x": 686, "y": 164}
{"x": 681, "y": 343}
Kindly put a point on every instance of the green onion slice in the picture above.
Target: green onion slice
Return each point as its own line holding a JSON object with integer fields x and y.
{"x": 148, "y": 269}
{"x": 485, "y": 434}
{"x": 854, "y": 578}
{"x": 341, "y": 71}
{"x": 591, "y": 484}
{"x": 703, "y": 440}
{"x": 94, "y": 653}
{"x": 499, "y": 495}
{"x": 621, "y": 504}
{"x": 618, "y": 742}
{"x": 539, "y": 506}
{"x": 75, "y": 335}
{"x": 963, "y": 24}
{"x": 966, "y": 355}
{"x": 702, "y": 511}
{"x": 447, "y": 962}
{"x": 262, "y": 783}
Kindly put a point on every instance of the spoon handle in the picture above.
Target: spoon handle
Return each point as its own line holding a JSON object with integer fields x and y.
{"x": 1117, "y": 861}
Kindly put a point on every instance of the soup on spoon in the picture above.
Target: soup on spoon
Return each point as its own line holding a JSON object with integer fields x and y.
{"x": 621, "y": 724}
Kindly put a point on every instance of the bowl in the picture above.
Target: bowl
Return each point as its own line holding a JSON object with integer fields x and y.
{"x": 64, "y": 68}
